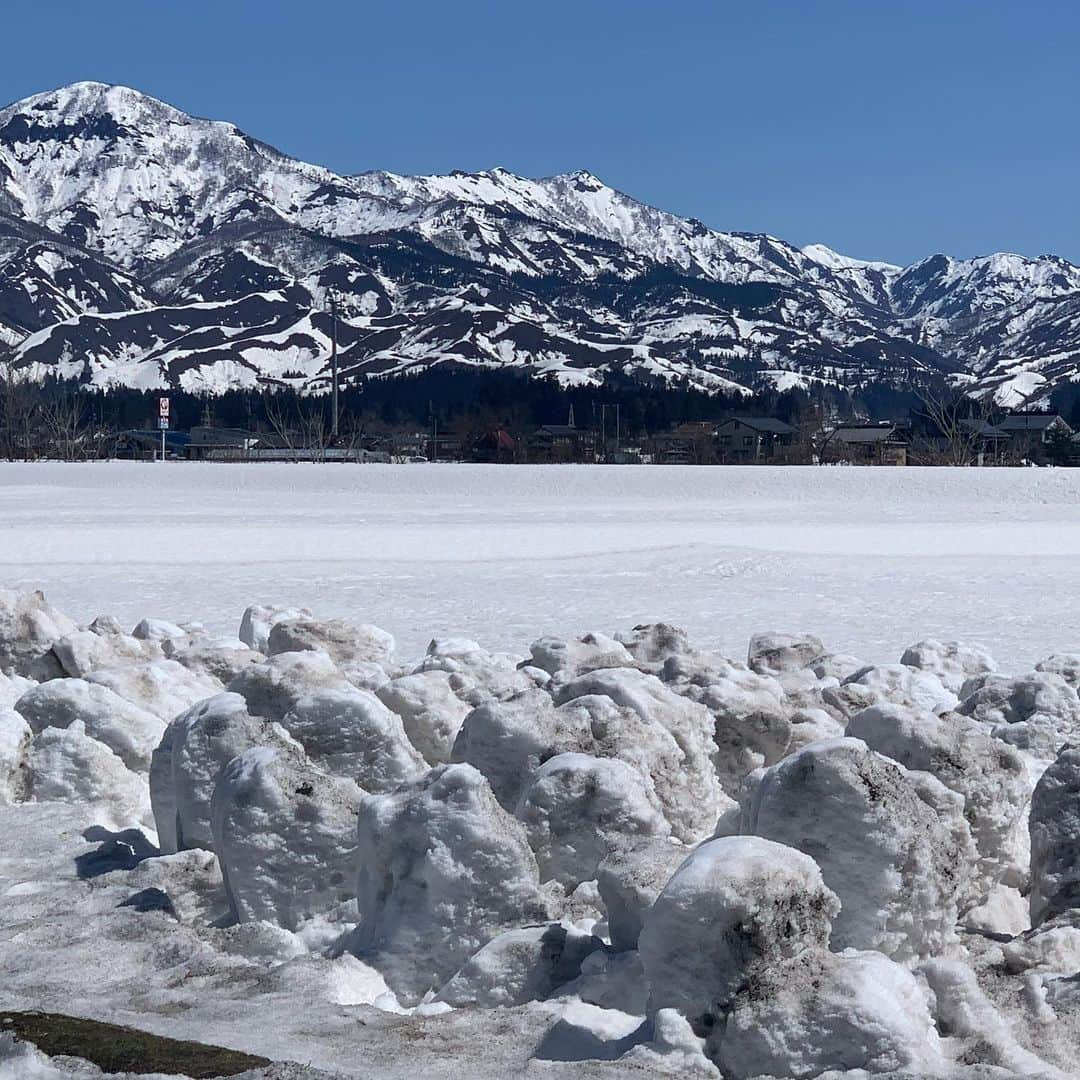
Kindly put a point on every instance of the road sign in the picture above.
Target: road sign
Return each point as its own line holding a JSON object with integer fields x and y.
{"x": 163, "y": 421}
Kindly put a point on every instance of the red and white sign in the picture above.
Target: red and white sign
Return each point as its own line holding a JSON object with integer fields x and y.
{"x": 163, "y": 408}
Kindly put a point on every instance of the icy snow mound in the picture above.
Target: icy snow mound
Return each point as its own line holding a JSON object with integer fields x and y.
{"x": 800, "y": 865}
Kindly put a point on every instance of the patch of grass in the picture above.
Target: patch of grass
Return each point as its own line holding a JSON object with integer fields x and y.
{"x": 121, "y": 1049}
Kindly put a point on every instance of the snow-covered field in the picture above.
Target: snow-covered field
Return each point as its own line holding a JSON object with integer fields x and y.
{"x": 870, "y": 559}
{"x": 574, "y": 845}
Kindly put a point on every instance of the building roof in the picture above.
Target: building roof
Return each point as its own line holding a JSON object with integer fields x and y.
{"x": 1029, "y": 421}
{"x": 864, "y": 433}
{"x": 559, "y": 429}
{"x": 767, "y": 424}
{"x": 221, "y": 436}
{"x": 983, "y": 428}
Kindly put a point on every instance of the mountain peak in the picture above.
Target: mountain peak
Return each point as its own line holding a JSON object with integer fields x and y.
{"x": 228, "y": 248}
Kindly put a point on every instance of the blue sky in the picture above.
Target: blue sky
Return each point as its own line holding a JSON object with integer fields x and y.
{"x": 886, "y": 129}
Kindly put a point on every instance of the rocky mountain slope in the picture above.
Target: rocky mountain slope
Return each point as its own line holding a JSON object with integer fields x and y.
{"x": 140, "y": 246}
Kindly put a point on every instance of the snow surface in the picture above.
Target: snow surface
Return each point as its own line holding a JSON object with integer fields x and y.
{"x": 871, "y": 559}
{"x": 450, "y": 926}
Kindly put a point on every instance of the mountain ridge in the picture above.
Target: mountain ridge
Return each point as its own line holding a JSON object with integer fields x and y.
{"x": 122, "y": 217}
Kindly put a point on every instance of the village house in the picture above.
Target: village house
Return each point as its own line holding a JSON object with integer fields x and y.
{"x": 562, "y": 442}
{"x": 1031, "y": 433}
{"x": 754, "y": 440}
{"x": 689, "y": 443}
{"x": 866, "y": 444}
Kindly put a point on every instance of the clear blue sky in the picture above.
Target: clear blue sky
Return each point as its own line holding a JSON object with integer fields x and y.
{"x": 886, "y": 129}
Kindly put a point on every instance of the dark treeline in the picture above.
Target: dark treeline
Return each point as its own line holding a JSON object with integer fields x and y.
{"x": 480, "y": 398}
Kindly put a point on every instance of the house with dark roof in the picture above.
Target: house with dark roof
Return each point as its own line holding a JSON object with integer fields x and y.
{"x": 1032, "y": 435}
{"x": 562, "y": 442}
{"x": 754, "y": 440}
{"x": 866, "y": 444}
{"x": 692, "y": 442}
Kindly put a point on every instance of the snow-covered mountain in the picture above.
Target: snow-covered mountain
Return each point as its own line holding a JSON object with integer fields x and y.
{"x": 142, "y": 246}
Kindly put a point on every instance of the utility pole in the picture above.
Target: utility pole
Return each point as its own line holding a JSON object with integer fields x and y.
{"x": 604, "y": 406}
{"x": 333, "y": 367}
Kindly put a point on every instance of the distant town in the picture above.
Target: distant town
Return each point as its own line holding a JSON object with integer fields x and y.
{"x": 1014, "y": 438}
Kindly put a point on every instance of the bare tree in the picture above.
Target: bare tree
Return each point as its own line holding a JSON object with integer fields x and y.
{"x": 278, "y": 417}
{"x": 20, "y": 407}
{"x": 959, "y": 427}
{"x": 66, "y": 427}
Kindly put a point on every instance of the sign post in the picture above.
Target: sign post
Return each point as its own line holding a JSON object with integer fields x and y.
{"x": 163, "y": 421}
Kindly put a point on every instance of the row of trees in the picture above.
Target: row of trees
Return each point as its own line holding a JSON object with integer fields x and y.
{"x": 64, "y": 420}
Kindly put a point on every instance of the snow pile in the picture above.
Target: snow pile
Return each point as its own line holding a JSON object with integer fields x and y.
{"x": 443, "y": 868}
{"x": 795, "y": 866}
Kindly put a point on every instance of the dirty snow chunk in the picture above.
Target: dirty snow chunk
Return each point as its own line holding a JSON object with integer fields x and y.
{"x": 217, "y": 660}
{"x": 979, "y": 1031}
{"x": 273, "y": 687}
{"x": 162, "y": 687}
{"x": 820, "y": 1012}
{"x": 129, "y": 731}
{"x": 365, "y": 674}
{"x": 773, "y": 653}
{"x": 812, "y": 725}
{"x": 652, "y": 644}
{"x": 519, "y": 966}
{"x": 610, "y": 980}
{"x": 839, "y": 666}
{"x": 84, "y": 651}
{"x": 578, "y": 807}
{"x": 689, "y": 724}
{"x": 892, "y": 683}
{"x": 163, "y": 791}
{"x": 604, "y": 729}
{"x": 1055, "y": 838}
{"x": 190, "y": 881}
{"x": 577, "y": 655}
{"x": 952, "y": 662}
{"x": 15, "y": 736}
{"x": 1038, "y": 712}
{"x": 990, "y": 775}
{"x": 495, "y": 675}
{"x": 734, "y": 907}
{"x": 351, "y": 733}
{"x": 341, "y": 641}
{"x": 1053, "y": 947}
{"x": 1004, "y": 911}
{"x": 29, "y": 625}
{"x": 673, "y": 1048}
{"x": 203, "y": 741}
{"x": 285, "y": 835}
{"x": 432, "y": 706}
{"x": 12, "y": 687}
{"x": 443, "y": 869}
{"x": 159, "y": 630}
{"x": 509, "y": 740}
{"x": 630, "y": 878}
{"x": 67, "y": 765}
{"x": 258, "y": 620}
{"x": 1067, "y": 665}
{"x": 898, "y": 866}
{"x": 751, "y": 720}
